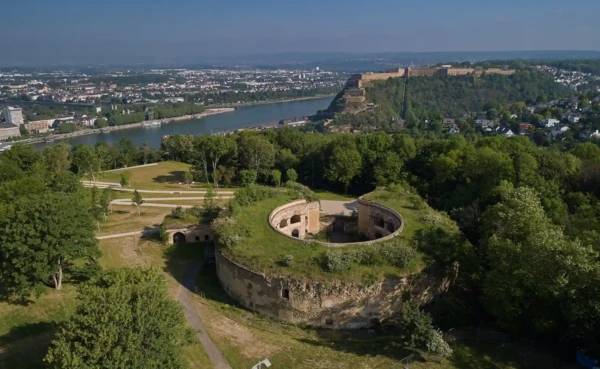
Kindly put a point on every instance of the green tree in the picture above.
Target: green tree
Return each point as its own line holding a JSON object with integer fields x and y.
{"x": 276, "y": 177}
{"x": 345, "y": 161}
{"x": 41, "y": 238}
{"x": 125, "y": 319}
{"x": 188, "y": 178}
{"x": 137, "y": 200}
{"x": 418, "y": 331}
{"x": 291, "y": 175}
{"x": 247, "y": 177}
{"x": 56, "y": 158}
{"x": 256, "y": 152}
{"x": 85, "y": 160}
{"x": 106, "y": 198}
{"x": 124, "y": 182}
{"x": 387, "y": 169}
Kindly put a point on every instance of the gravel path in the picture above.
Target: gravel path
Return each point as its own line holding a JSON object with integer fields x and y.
{"x": 185, "y": 298}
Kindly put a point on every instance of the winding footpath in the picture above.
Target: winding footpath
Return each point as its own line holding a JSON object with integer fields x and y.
{"x": 185, "y": 298}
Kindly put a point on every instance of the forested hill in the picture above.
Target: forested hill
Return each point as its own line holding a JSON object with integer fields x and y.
{"x": 454, "y": 96}
{"x": 450, "y": 96}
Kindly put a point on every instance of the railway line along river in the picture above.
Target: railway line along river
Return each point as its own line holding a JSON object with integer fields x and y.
{"x": 244, "y": 116}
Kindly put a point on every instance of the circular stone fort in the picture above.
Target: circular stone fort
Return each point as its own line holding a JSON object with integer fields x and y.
{"x": 285, "y": 267}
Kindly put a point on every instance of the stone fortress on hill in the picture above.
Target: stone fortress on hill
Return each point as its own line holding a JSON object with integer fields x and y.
{"x": 352, "y": 99}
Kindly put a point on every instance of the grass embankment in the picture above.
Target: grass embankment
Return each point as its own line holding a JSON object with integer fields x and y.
{"x": 165, "y": 175}
{"x": 246, "y": 338}
{"x": 264, "y": 248}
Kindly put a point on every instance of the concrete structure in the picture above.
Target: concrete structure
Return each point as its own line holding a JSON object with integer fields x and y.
{"x": 13, "y": 115}
{"x": 328, "y": 304}
{"x": 331, "y": 303}
{"x": 38, "y": 126}
{"x": 377, "y": 221}
{"x": 194, "y": 234}
{"x": 296, "y": 219}
{"x": 8, "y": 130}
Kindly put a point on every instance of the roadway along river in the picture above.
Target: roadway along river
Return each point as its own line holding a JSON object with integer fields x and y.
{"x": 244, "y": 116}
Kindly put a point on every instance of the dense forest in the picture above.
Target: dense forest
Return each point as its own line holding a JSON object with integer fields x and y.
{"x": 453, "y": 96}
{"x": 530, "y": 216}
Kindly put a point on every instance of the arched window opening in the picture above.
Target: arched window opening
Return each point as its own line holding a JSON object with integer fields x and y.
{"x": 285, "y": 294}
{"x": 379, "y": 222}
{"x": 295, "y": 219}
{"x": 390, "y": 227}
{"x": 296, "y": 233}
{"x": 283, "y": 223}
{"x": 178, "y": 238}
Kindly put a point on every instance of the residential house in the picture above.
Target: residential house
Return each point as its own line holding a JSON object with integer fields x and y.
{"x": 589, "y": 134}
{"x": 524, "y": 128}
{"x": 454, "y": 129}
{"x": 549, "y": 123}
{"x": 558, "y": 131}
{"x": 448, "y": 122}
{"x": 503, "y": 130}
{"x": 574, "y": 118}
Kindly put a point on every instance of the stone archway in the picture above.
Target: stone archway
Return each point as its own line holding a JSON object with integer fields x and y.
{"x": 179, "y": 238}
{"x": 296, "y": 233}
{"x": 296, "y": 219}
{"x": 283, "y": 223}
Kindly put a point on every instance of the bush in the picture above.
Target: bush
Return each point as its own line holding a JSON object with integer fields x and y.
{"x": 247, "y": 177}
{"x": 418, "y": 332}
{"x": 397, "y": 254}
{"x": 337, "y": 261}
{"x": 367, "y": 256}
{"x": 287, "y": 260}
{"x": 178, "y": 213}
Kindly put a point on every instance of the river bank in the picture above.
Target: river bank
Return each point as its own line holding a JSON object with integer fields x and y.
{"x": 266, "y": 102}
{"x": 50, "y": 138}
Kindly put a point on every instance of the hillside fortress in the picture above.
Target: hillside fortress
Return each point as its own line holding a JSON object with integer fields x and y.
{"x": 352, "y": 99}
{"x": 360, "y": 80}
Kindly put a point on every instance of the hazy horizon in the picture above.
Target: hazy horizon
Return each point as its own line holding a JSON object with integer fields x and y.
{"x": 65, "y": 31}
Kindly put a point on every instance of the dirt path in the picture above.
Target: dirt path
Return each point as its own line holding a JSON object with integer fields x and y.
{"x": 185, "y": 299}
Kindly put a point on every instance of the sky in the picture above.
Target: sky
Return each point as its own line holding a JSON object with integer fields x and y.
{"x": 88, "y": 31}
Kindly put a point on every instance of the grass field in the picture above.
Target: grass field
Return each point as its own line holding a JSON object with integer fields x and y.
{"x": 263, "y": 249}
{"x": 166, "y": 175}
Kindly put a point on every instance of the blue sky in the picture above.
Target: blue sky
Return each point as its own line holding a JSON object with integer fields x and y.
{"x": 88, "y": 30}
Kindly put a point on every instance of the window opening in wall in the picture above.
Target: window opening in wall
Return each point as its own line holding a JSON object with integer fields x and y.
{"x": 379, "y": 222}
{"x": 295, "y": 219}
{"x": 206, "y": 238}
{"x": 329, "y": 321}
{"x": 197, "y": 238}
{"x": 283, "y": 223}
{"x": 296, "y": 233}
{"x": 285, "y": 294}
{"x": 390, "y": 227}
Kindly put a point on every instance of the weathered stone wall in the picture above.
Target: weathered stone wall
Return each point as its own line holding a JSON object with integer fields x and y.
{"x": 194, "y": 234}
{"x": 377, "y": 221}
{"x": 296, "y": 218}
{"x": 334, "y": 304}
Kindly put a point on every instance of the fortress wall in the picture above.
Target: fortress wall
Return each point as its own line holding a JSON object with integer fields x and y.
{"x": 355, "y": 99}
{"x": 459, "y": 71}
{"x": 333, "y": 304}
{"x": 196, "y": 234}
{"x": 378, "y": 221}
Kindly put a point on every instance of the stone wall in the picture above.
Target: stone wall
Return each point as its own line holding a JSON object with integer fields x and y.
{"x": 378, "y": 221}
{"x": 296, "y": 218}
{"x": 193, "y": 234}
{"x": 333, "y": 304}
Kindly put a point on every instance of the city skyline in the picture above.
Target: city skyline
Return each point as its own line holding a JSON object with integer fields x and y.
{"x": 186, "y": 31}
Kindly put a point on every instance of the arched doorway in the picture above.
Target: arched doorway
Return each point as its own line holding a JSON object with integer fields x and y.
{"x": 295, "y": 219}
{"x": 296, "y": 233}
{"x": 283, "y": 223}
{"x": 390, "y": 227}
{"x": 178, "y": 238}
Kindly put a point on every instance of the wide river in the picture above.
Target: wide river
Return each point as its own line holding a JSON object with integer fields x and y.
{"x": 243, "y": 116}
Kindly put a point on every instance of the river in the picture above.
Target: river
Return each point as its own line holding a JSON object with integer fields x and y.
{"x": 244, "y": 116}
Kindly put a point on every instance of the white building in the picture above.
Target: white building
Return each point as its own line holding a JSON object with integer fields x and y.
{"x": 13, "y": 115}
{"x": 549, "y": 123}
{"x": 8, "y": 130}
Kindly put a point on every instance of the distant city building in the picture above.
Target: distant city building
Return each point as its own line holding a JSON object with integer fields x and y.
{"x": 38, "y": 126}
{"x": 13, "y": 115}
{"x": 8, "y": 130}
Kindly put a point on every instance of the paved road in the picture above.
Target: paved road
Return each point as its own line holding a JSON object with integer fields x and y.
{"x": 339, "y": 207}
{"x": 191, "y": 315}
{"x": 144, "y": 233}
{"x": 117, "y": 187}
{"x": 150, "y": 204}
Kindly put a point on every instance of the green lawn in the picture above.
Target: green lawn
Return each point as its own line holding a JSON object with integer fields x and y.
{"x": 327, "y": 195}
{"x": 166, "y": 175}
{"x": 263, "y": 248}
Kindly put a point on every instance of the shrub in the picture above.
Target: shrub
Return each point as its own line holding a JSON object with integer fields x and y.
{"x": 287, "y": 260}
{"x": 367, "y": 256}
{"x": 337, "y": 261}
{"x": 247, "y": 177}
{"x": 418, "y": 331}
{"x": 397, "y": 254}
{"x": 178, "y": 213}
{"x": 163, "y": 234}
